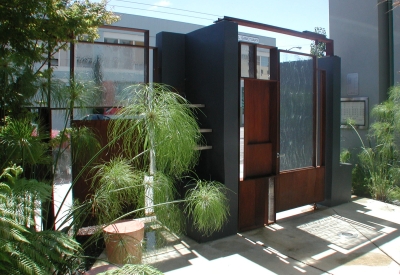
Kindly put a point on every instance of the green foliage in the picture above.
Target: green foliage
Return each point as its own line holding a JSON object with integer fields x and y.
{"x": 379, "y": 162}
{"x": 77, "y": 93}
{"x": 21, "y": 143}
{"x": 32, "y": 32}
{"x": 345, "y": 156}
{"x": 82, "y": 140}
{"x": 116, "y": 186}
{"x": 318, "y": 49}
{"x": 31, "y": 28}
{"x": 23, "y": 249}
{"x": 208, "y": 206}
{"x": 359, "y": 182}
{"x": 158, "y": 127}
{"x": 160, "y": 121}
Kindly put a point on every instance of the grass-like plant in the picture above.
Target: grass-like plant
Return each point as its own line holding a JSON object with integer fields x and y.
{"x": 208, "y": 206}
{"x": 116, "y": 186}
{"x": 162, "y": 122}
{"x": 344, "y": 156}
{"x": 379, "y": 160}
{"x": 158, "y": 132}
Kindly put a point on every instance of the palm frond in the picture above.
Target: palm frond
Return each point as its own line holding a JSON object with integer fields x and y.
{"x": 159, "y": 119}
{"x": 117, "y": 185}
{"x": 207, "y": 205}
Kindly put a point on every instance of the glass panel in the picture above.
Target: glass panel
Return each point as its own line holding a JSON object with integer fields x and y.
{"x": 241, "y": 128}
{"x": 263, "y": 63}
{"x": 64, "y": 58}
{"x": 131, "y": 38}
{"x": 111, "y": 40}
{"x": 247, "y": 61}
{"x": 63, "y": 167}
{"x": 271, "y": 200}
{"x": 110, "y": 67}
{"x": 296, "y": 111}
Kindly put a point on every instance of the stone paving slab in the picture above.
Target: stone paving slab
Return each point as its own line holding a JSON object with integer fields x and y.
{"x": 359, "y": 237}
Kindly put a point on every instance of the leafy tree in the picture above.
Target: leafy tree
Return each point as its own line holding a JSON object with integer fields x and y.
{"x": 32, "y": 32}
{"x": 318, "y": 49}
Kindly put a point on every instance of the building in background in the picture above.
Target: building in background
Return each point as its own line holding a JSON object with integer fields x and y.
{"x": 367, "y": 38}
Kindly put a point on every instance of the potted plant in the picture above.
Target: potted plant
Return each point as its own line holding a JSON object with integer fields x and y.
{"x": 158, "y": 133}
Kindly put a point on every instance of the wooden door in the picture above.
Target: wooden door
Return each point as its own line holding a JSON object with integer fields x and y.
{"x": 256, "y": 189}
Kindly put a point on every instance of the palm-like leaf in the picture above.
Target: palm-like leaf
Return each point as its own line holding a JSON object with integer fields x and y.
{"x": 160, "y": 120}
{"x": 23, "y": 250}
{"x": 208, "y": 206}
{"x": 116, "y": 186}
{"x": 21, "y": 145}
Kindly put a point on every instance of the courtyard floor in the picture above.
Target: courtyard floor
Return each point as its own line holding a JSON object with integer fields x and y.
{"x": 359, "y": 237}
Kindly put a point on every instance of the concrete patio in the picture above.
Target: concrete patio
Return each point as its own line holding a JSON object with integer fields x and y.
{"x": 359, "y": 237}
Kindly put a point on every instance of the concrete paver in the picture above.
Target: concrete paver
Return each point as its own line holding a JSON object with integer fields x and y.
{"x": 359, "y": 237}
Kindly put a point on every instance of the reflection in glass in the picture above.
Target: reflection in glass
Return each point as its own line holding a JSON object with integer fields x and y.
{"x": 247, "y": 60}
{"x": 263, "y": 63}
{"x": 296, "y": 111}
{"x": 241, "y": 127}
{"x": 271, "y": 200}
{"x": 61, "y": 154}
{"x": 110, "y": 67}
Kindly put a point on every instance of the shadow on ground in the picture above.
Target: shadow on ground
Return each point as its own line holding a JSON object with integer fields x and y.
{"x": 360, "y": 237}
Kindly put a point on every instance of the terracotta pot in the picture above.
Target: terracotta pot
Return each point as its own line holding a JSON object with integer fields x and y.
{"x": 124, "y": 241}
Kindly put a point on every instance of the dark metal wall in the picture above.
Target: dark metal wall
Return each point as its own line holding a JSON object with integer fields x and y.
{"x": 171, "y": 59}
{"x": 338, "y": 176}
{"x": 210, "y": 59}
{"x": 212, "y": 79}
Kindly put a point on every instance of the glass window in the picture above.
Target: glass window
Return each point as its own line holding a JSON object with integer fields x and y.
{"x": 126, "y": 42}
{"x": 54, "y": 62}
{"x": 64, "y": 58}
{"x": 247, "y": 60}
{"x": 296, "y": 111}
{"x": 263, "y": 63}
{"x": 111, "y": 67}
{"x": 84, "y": 55}
{"x": 111, "y": 40}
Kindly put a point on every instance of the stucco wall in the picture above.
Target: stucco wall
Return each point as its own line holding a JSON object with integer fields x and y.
{"x": 360, "y": 34}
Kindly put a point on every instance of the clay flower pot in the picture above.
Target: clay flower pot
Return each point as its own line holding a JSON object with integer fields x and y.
{"x": 123, "y": 241}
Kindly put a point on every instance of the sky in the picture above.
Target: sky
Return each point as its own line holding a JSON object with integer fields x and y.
{"x": 296, "y": 15}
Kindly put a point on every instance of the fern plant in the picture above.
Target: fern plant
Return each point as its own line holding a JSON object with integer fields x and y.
{"x": 24, "y": 249}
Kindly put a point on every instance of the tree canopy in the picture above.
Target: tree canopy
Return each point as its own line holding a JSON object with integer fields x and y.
{"x": 33, "y": 31}
{"x": 318, "y": 49}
